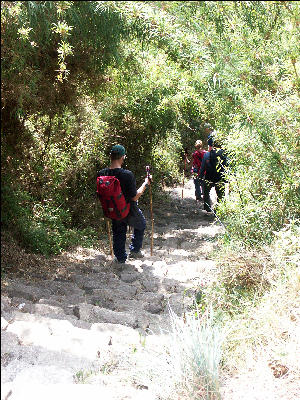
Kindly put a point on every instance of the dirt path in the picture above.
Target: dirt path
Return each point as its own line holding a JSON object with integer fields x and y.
{"x": 105, "y": 327}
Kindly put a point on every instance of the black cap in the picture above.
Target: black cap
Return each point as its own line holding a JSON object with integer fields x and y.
{"x": 210, "y": 140}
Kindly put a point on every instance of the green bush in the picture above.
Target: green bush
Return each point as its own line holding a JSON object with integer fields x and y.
{"x": 78, "y": 77}
{"x": 41, "y": 227}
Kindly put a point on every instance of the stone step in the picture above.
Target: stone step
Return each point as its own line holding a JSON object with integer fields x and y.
{"x": 24, "y": 388}
{"x": 17, "y": 356}
{"x": 39, "y": 350}
{"x": 61, "y": 336}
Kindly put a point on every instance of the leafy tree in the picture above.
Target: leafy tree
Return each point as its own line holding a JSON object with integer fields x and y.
{"x": 79, "y": 76}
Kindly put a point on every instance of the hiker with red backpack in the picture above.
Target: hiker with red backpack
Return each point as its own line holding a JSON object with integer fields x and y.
{"x": 197, "y": 157}
{"x": 212, "y": 170}
{"x": 116, "y": 189}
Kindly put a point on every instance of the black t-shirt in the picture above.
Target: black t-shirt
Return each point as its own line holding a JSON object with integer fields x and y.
{"x": 126, "y": 178}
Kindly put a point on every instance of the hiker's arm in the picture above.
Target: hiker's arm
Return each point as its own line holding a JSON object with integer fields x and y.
{"x": 141, "y": 190}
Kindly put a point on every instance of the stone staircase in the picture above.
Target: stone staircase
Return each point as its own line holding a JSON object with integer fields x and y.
{"x": 103, "y": 333}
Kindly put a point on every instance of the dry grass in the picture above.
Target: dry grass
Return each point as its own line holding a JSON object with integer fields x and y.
{"x": 263, "y": 352}
{"x": 249, "y": 270}
{"x": 261, "y": 357}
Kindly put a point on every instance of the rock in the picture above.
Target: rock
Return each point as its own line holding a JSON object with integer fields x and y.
{"x": 6, "y": 358}
{"x": 28, "y": 292}
{"x": 150, "y": 297}
{"x": 66, "y": 391}
{"x": 153, "y": 308}
{"x": 63, "y": 303}
{"x": 159, "y": 264}
{"x": 86, "y": 282}
{"x": 5, "y": 304}
{"x": 9, "y": 341}
{"x": 43, "y": 375}
{"x": 121, "y": 305}
{"x": 99, "y": 260}
{"x": 50, "y": 311}
{"x": 119, "y": 333}
{"x": 149, "y": 284}
{"x": 92, "y": 314}
{"x": 120, "y": 288}
{"x": 129, "y": 277}
{"x": 171, "y": 285}
{"x": 175, "y": 303}
{"x": 112, "y": 293}
{"x": 9, "y": 348}
{"x": 59, "y": 338}
{"x": 4, "y": 324}
{"x": 22, "y": 305}
{"x": 172, "y": 242}
{"x": 187, "y": 245}
{"x": 102, "y": 302}
{"x": 62, "y": 288}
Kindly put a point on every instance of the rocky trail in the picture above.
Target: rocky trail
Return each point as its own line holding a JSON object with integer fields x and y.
{"x": 97, "y": 332}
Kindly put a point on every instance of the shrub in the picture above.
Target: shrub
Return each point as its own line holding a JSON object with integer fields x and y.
{"x": 40, "y": 227}
{"x": 195, "y": 353}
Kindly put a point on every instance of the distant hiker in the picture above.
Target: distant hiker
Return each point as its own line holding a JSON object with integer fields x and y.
{"x": 135, "y": 217}
{"x": 185, "y": 161}
{"x": 212, "y": 170}
{"x": 196, "y": 166}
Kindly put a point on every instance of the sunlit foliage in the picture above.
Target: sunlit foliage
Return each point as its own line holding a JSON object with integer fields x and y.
{"x": 79, "y": 76}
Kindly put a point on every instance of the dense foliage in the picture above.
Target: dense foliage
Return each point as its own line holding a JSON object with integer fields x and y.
{"x": 78, "y": 77}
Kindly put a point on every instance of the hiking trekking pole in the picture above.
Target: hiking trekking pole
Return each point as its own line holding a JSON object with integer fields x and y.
{"x": 109, "y": 237}
{"x": 151, "y": 210}
{"x": 183, "y": 180}
{"x": 185, "y": 156}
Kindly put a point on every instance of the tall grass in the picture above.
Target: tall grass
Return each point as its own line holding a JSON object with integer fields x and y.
{"x": 195, "y": 352}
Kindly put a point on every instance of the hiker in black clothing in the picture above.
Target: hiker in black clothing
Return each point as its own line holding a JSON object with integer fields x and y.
{"x": 212, "y": 170}
{"x": 135, "y": 218}
{"x": 196, "y": 166}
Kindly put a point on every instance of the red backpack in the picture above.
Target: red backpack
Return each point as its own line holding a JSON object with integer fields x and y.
{"x": 111, "y": 197}
{"x": 197, "y": 160}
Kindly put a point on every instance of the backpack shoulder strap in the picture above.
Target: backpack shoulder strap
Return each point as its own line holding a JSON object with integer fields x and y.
{"x": 108, "y": 172}
{"x": 210, "y": 153}
{"x": 200, "y": 155}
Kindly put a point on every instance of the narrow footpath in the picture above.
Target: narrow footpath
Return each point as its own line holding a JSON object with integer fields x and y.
{"x": 103, "y": 327}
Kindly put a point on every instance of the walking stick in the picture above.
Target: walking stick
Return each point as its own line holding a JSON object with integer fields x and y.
{"x": 109, "y": 236}
{"x": 185, "y": 155}
{"x": 151, "y": 210}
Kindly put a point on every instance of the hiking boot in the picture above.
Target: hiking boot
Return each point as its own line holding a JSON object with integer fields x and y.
{"x": 136, "y": 255}
{"x": 115, "y": 263}
{"x": 208, "y": 213}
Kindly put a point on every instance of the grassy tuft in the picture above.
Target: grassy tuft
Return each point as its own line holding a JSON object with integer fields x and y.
{"x": 195, "y": 352}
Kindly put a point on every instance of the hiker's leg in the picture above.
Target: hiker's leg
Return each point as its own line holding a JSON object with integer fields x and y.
{"x": 220, "y": 190}
{"x": 119, "y": 229}
{"x": 137, "y": 240}
{"x": 206, "y": 197}
{"x": 202, "y": 187}
{"x": 197, "y": 188}
{"x": 139, "y": 224}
